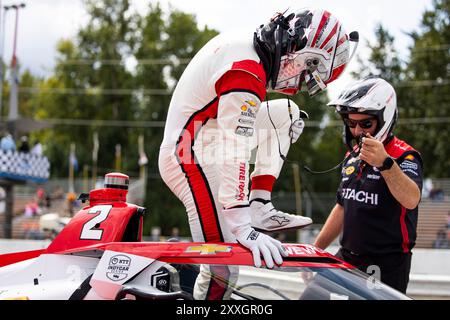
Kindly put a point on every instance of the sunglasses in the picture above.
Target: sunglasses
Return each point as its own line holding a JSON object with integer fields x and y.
{"x": 363, "y": 124}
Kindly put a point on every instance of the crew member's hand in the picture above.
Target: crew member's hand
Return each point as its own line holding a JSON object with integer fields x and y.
{"x": 261, "y": 244}
{"x": 372, "y": 151}
{"x": 296, "y": 129}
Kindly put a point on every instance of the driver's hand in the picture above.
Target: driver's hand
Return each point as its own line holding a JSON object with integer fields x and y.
{"x": 296, "y": 129}
{"x": 262, "y": 244}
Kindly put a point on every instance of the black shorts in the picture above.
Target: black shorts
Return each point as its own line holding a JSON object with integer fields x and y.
{"x": 394, "y": 267}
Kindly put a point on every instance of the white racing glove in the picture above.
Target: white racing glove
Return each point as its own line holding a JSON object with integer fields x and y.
{"x": 238, "y": 220}
{"x": 297, "y": 126}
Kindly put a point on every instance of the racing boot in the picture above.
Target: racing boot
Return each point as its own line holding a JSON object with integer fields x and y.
{"x": 266, "y": 218}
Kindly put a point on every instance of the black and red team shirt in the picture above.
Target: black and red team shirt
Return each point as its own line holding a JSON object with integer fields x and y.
{"x": 374, "y": 222}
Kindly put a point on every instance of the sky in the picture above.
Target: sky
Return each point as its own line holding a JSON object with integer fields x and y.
{"x": 42, "y": 23}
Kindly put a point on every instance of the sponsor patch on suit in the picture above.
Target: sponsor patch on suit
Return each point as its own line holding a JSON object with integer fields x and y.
{"x": 244, "y": 131}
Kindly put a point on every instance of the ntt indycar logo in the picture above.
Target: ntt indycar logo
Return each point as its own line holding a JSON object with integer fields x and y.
{"x": 118, "y": 267}
{"x": 360, "y": 196}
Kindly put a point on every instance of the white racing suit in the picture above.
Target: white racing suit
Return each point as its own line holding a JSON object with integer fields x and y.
{"x": 214, "y": 120}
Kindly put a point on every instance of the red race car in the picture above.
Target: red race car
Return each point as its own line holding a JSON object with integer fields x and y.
{"x": 99, "y": 255}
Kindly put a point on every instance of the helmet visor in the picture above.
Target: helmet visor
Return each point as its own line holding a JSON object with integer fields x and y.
{"x": 303, "y": 65}
{"x": 288, "y": 80}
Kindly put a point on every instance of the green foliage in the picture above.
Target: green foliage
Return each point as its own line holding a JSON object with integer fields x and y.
{"x": 426, "y": 92}
{"x": 422, "y": 86}
{"x": 383, "y": 59}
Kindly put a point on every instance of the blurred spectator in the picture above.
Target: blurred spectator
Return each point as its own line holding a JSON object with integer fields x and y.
{"x": 7, "y": 143}
{"x": 48, "y": 201}
{"x": 427, "y": 187}
{"x": 2, "y": 200}
{"x": 32, "y": 232}
{"x": 175, "y": 235}
{"x": 441, "y": 241}
{"x": 49, "y": 234}
{"x": 72, "y": 203}
{"x": 155, "y": 234}
{"x": 448, "y": 220}
{"x": 40, "y": 194}
{"x": 37, "y": 149}
{"x": 24, "y": 145}
{"x": 448, "y": 227}
{"x": 437, "y": 194}
{"x": 32, "y": 209}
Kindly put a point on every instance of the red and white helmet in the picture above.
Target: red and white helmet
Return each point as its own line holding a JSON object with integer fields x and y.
{"x": 309, "y": 46}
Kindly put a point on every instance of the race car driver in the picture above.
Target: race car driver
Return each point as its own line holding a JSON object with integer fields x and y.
{"x": 377, "y": 200}
{"x": 218, "y": 98}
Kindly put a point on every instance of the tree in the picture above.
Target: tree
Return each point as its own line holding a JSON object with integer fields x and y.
{"x": 89, "y": 77}
{"x": 184, "y": 39}
{"x": 426, "y": 90}
{"x": 108, "y": 40}
{"x": 383, "y": 60}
